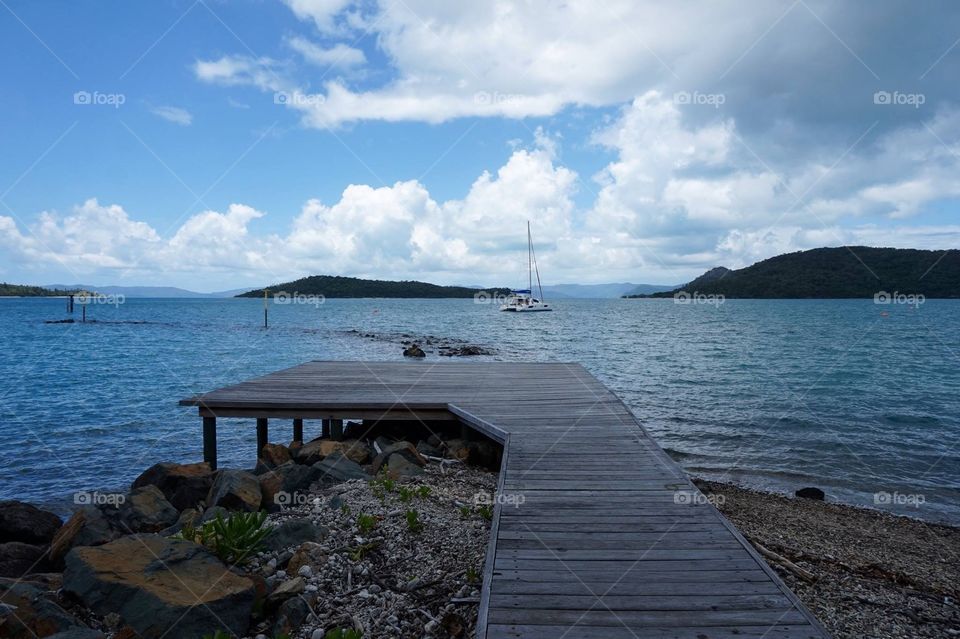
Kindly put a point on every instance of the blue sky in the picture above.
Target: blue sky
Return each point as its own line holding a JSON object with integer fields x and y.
{"x": 231, "y": 144}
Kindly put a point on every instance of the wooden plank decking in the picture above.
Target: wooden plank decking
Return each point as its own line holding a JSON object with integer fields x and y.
{"x": 611, "y": 541}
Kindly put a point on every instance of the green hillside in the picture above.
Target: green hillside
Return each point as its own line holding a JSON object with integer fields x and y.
{"x": 332, "y": 286}
{"x": 20, "y": 290}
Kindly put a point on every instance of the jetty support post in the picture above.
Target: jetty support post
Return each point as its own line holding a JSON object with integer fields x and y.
{"x": 298, "y": 430}
{"x": 336, "y": 429}
{"x": 262, "y": 436}
{"x": 210, "y": 441}
{"x": 325, "y": 428}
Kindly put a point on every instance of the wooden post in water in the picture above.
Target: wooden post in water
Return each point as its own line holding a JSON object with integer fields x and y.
{"x": 298, "y": 430}
{"x": 261, "y": 434}
{"x": 210, "y": 441}
{"x": 266, "y": 292}
{"x": 325, "y": 428}
{"x": 84, "y": 308}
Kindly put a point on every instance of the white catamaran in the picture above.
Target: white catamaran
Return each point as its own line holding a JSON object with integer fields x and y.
{"x": 522, "y": 300}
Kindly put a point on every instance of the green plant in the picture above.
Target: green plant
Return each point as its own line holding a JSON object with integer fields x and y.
{"x": 473, "y": 576}
{"x": 413, "y": 521}
{"x": 406, "y": 494}
{"x": 218, "y": 634}
{"x": 423, "y": 492}
{"x": 465, "y": 511}
{"x": 366, "y": 523}
{"x": 357, "y": 553}
{"x": 234, "y": 539}
{"x": 345, "y": 509}
{"x": 343, "y": 633}
{"x": 485, "y": 511}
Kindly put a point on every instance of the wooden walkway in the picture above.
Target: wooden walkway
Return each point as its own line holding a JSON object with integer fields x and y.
{"x": 611, "y": 541}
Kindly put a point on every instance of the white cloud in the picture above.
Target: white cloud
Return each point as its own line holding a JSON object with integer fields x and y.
{"x": 239, "y": 70}
{"x": 173, "y": 114}
{"x": 338, "y": 56}
{"x": 322, "y": 12}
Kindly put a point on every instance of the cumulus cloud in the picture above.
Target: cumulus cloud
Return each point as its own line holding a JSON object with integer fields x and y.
{"x": 339, "y": 55}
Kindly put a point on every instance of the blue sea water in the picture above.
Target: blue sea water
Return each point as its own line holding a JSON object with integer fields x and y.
{"x": 853, "y": 397}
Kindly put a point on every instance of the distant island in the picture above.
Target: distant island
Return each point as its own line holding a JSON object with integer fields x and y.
{"x": 21, "y": 290}
{"x": 333, "y": 286}
{"x": 844, "y": 272}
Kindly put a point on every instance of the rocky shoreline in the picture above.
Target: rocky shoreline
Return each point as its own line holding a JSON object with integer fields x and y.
{"x": 862, "y": 572}
{"x": 323, "y": 540}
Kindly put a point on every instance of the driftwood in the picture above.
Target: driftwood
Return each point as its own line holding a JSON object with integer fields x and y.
{"x": 806, "y": 575}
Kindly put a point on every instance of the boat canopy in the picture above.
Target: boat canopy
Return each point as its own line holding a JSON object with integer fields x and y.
{"x": 522, "y": 291}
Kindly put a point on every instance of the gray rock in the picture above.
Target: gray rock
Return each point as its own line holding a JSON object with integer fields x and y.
{"x": 146, "y": 510}
{"x": 36, "y": 614}
{"x": 287, "y": 589}
{"x": 399, "y": 466}
{"x": 293, "y": 612}
{"x": 425, "y": 448}
{"x": 18, "y": 559}
{"x": 20, "y": 521}
{"x": 404, "y": 448}
{"x": 810, "y": 492}
{"x": 293, "y": 532}
{"x": 78, "y": 633}
{"x": 211, "y": 513}
{"x": 89, "y": 526}
{"x": 336, "y": 468}
{"x": 183, "y": 485}
{"x": 414, "y": 350}
{"x": 235, "y": 490}
{"x": 161, "y": 587}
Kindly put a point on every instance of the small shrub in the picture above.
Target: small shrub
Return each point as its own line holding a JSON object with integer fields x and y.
{"x": 473, "y": 576}
{"x": 218, "y": 634}
{"x": 413, "y": 521}
{"x": 343, "y": 633}
{"x": 485, "y": 511}
{"x": 465, "y": 511}
{"x": 423, "y": 492}
{"x": 406, "y": 494}
{"x": 234, "y": 539}
{"x": 366, "y": 523}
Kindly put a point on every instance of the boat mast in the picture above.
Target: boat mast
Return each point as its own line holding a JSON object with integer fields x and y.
{"x": 532, "y": 258}
{"x": 529, "y": 259}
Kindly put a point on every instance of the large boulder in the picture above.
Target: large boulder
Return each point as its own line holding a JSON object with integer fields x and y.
{"x": 235, "y": 490}
{"x": 273, "y": 455}
{"x": 89, "y": 526}
{"x": 161, "y": 587}
{"x": 27, "y": 611}
{"x": 337, "y": 468}
{"x": 18, "y": 559}
{"x": 458, "y": 449}
{"x": 184, "y": 485}
{"x": 20, "y": 521}
{"x": 810, "y": 492}
{"x": 291, "y": 615}
{"x": 312, "y": 452}
{"x": 146, "y": 510}
{"x": 293, "y": 532}
{"x": 404, "y": 448}
{"x": 399, "y": 467}
{"x": 357, "y": 450}
{"x": 285, "y": 485}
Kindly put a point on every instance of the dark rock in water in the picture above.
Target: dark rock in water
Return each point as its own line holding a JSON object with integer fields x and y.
{"x": 337, "y": 468}
{"x": 293, "y": 612}
{"x": 161, "y": 587}
{"x": 20, "y": 521}
{"x": 184, "y": 485}
{"x": 63, "y": 321}
{"x": 235, "y": 490}
{"x": 414, "y": 350}
{"x": 425, "y": 448}
{"x": 88, "y": 526}
{"x": 18, "y": 559}
{"x": 293, "y": 532}
{"x": 36, "y": 614}
{"x": 146, "y": 510}
{"x": 810, "y": 493}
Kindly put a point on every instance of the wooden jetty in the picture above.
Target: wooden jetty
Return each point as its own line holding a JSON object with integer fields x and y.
{"x": 596, "y": 532}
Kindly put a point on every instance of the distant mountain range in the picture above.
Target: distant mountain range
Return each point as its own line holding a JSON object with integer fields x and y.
{"x": 597, "y": 291}
{"x": 142, "y": 291}
{"x": 844, "y": 272}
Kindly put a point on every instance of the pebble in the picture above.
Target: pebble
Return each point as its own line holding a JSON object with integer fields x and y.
{"x": 306, "y": 571}
{"x": 318, "y": 634}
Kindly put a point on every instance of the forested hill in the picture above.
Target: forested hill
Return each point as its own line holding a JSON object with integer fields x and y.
{"x": 844, "y": 272}
{"x": 20, "y": 290}
{"x": 334, "y": 286}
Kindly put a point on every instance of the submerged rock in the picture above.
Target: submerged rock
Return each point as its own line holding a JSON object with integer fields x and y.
{"x": 414, "y": 350}
{"x": 810, "y": 492}
{"x": 183, "y": 485}
{"x": 161, "y": 587}
{"x": 20, "y": 521}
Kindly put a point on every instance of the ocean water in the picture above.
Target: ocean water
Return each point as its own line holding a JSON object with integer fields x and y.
{"x": 859, "y": 399}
